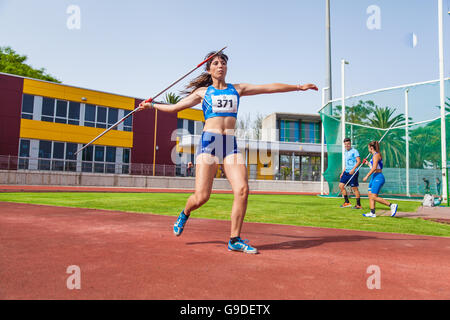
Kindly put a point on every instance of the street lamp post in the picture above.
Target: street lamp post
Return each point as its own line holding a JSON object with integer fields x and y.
{"x": 328, "y": 79}
{"x": 343, "y": 63}
{"x": 322, "y": 147}
{"x": 442, "y": 99}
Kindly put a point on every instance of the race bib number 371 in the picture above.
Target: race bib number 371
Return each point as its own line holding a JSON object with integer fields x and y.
{"x": 224, "y": 103}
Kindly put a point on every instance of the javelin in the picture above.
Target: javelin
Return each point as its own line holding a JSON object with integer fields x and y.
{"x": 364, "y": 160}
{"x": 149, "y": 100}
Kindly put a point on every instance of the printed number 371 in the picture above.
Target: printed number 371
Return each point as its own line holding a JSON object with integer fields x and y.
{"x": 223, "y": 103}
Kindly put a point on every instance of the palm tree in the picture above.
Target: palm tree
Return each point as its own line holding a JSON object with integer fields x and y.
{"x": 447, "y": 103}
{"x": 171, "y": 98}
{"x": 393, "y": 144}
{"x": 425, "y": 145}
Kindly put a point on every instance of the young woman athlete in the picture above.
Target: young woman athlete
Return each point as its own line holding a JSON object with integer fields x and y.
{"x": 220, "y": 104}
{"x": 376, "y": 181}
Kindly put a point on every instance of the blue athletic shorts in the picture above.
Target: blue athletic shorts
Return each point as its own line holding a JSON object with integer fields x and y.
{"x": 346, "y": 177}
{"x": 376, "y": 182}
{"x": 219, "y": 145}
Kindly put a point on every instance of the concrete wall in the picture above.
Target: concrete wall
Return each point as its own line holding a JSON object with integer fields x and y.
{"x": 113, "y": 180}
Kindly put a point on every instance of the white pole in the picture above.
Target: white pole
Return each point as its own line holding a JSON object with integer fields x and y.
{"x": 343, "y": 63}
{"x": 442, "y": 96}
{"x": 328, "y": 49}
{"x": 322, "y": 150}
{"x": 407, "y": 140}
{"x": 293, "y": 166}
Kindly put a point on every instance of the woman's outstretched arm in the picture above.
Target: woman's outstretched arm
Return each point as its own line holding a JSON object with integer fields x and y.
{"x": 246, "y": 89}
{"x": 185, "y": 103}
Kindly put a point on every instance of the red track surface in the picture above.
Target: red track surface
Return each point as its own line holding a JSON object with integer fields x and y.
{"x": 136, "y": 256}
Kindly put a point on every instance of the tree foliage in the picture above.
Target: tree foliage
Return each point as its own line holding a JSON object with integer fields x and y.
{"x": 14, "y": 63}
{"x": 172, "y": 98}
{"x": 365, "y": 122}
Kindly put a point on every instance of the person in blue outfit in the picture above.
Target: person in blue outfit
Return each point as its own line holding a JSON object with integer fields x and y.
{"x": 377, "y": 181}
{"x": 220, "y": 103}
{"x": 349, "y": 175}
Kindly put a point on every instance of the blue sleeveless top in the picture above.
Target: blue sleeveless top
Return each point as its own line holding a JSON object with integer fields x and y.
{"x": 380, "y": 163}
{"x": 220, "y": 103}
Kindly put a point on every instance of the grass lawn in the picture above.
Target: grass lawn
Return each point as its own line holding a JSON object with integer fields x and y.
{"x": 279, "y": 209}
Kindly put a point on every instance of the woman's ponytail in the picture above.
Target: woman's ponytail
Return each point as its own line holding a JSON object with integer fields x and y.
{"x": 375, "y": 145}
{"x": 205, "y": 79}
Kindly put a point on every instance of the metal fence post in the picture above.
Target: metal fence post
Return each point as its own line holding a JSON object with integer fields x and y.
{"x": 446, "y": 181}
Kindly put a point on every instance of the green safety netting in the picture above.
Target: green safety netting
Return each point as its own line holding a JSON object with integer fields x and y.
{"x": 410, "y": 119}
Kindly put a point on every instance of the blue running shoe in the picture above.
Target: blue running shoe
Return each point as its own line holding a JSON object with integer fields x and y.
{"x": 179, "y": 224}
{"x": 369, "y": 215}
{"x": 241, "y": 245}
{"x": 394, "y": 208}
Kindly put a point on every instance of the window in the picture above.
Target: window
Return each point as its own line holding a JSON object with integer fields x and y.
{"x": 74, "y": 113}
{"x": 70, "y": 151}
{"x": 310, "y": 169}
{"x": 89, "y": 115}
{"x": 69, "y": 112}
{"x": 110, "y": 154}
{"x": 60, "y": 156}
{"x": 87, "y": 157}
{"x": 191, "y": 126}
{"x": 310, "y": 132}
{"x": 289, "y": 131}
{"x": 61, "y": 111}
{"x": 101, "y": 117}
{"x": 110, "y": 159}
{"x": 286, "y": 169}
{"x": 24, "y": 151}
{"x": 71, "y": 148}
{"x": 179, "y": 123}
{"x": 126, "y": 161}
{"x": 126, "y": 156}
{"x": 27, "y": 106}
{"x": 99, "y": 153}
{"x": 24, "y": 148}
{"x": 45, "y": 152}
{"x": 113, "y": 117}
{"x": 48, "y": 109}
{"x": 58, "y": 153}
{"x": 99, "y": 156}
{"x": 128, "y": 123}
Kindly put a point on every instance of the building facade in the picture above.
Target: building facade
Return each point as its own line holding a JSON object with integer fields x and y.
{"x": 298, "y": 153}
{"x": 43, "y": 124}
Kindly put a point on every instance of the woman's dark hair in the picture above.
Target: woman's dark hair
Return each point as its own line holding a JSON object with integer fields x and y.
{"x": 203, "y": 80}
{"x": 375, "y": 145}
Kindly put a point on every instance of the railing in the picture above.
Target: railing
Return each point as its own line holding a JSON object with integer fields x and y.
{"x": 143, "y": 169}
{"x": 64, "y": 165}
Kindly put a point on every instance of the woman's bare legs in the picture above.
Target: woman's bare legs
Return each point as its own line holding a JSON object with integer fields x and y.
{"x": 205, "y": 170}
{"x": 236, "y": 173}
{"x": 373, "y": 197}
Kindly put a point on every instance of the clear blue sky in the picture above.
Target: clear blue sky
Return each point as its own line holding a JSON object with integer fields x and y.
{"x": 137, "y": 47}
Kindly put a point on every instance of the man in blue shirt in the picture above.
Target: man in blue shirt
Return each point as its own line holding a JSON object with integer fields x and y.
{"x": 352, "y": 162}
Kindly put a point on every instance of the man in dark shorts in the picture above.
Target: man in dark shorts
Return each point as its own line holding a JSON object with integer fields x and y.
{"x": 352, "y": 162}
{"x": 427, "y": 185}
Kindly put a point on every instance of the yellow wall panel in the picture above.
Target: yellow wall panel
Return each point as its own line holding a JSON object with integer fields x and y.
{"x": 41, "y": 130}
{"x": 63, "y": 92}
{"x": 191, "y": 114}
